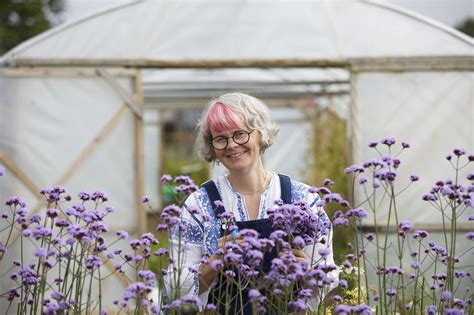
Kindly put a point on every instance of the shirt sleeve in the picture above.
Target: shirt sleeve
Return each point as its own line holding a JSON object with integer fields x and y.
{"x": 186, "y": 252}
{"x": 325, "y": 240}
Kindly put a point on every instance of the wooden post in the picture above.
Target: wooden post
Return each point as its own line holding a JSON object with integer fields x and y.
{"x": 139, "y": 156}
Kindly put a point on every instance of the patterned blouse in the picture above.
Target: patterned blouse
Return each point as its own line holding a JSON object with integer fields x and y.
{"x": 203, "y": 228}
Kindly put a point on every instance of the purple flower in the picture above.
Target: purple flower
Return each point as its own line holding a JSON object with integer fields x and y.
{"x": 343, "y": 284}
{"x": 93, "y": 262}
{"x": 446, "y": 296}
{"x": 57, "y": 296}
{"x": 453, "y": 311}
{"x": 15, "y": 201}
{"x": 391, "y": 292}
{"x": 342, "y": 309}
{"x": 470, "y": 236}
{"x": 299, "y": 242}
{"x": 362, "y": 180}
{"x": 217, "y": 264}
{"x": 52, "y": 213}
{"x": 388, "y": 141}
{"x": 254, "y": 294}
{"x": 459, "y": 152}
{"x": 166, "y": 178}
{"x": 210, "y": 307}
{"x": 51, "y": 308}
{"x": 2, "y": 170}
{"x": 155, "y": 309}
{"x": 183, "y": 179}
{"x": 12, "y": 294}
{"x": 431, "y": 310}
{"x": 470, "y": 176}
{"x": 405, "y": 145}
{"x": 40, "y": 252}
{"x": 83, "y": 196}
{"x": 327, "y": 182}
{"x": 340, "y": 221}
{"x": 160, "y": 252}
{"x": 373, "y": 144}
{"x": 99, "y": 196}
{"x": 414, "y": 178}
{"x": 353, "y": 169}
{"x": 405, "y": 226}
{"x": 357, "y": 213}
{"x": 324, "y": 252}
{"x": 122, "y": 235}
{"x": 226, "y": 215}
{"x": 298, "y": 305}
{"x": 414, "y": 264}
{"x": 145, "y": 199}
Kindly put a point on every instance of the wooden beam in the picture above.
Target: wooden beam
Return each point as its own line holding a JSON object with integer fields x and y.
{"x": 129, "y": 101}
{"x": 59, "y": 72}
{"x": 9, "y": 164}
{"x": 197, "y": 63}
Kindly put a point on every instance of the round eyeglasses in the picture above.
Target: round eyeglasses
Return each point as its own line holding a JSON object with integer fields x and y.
{"x": 239, "y": 137}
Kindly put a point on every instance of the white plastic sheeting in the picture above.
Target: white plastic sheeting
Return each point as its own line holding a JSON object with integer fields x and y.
{"x": 256, "y": 30}
{"x": 47, "y": 122}
{"x": 432, "y": 111}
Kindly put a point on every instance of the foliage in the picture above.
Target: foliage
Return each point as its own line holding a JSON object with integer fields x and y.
{"x": 329, "y": 158}
{"x": 467, "y": 27}
{"x": 23, "y": 19}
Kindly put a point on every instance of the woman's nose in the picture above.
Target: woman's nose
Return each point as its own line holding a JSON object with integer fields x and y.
{"x": 231, "y": 143}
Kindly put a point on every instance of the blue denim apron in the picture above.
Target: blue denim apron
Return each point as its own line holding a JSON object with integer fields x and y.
{"x": 264, "y": 228}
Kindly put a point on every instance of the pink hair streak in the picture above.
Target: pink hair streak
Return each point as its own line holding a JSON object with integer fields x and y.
{"x": 220, "y": 118}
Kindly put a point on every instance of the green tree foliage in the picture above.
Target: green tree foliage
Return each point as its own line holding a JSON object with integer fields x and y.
{"x": 23, "y": 19}
{"x": 330, "y": 156}
{"x": 467, "y": 27}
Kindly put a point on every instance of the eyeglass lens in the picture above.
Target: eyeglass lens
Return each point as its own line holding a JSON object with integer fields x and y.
{"x": 239, "y": 137}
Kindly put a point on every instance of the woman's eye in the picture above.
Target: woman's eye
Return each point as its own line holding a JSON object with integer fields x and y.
{"x": 239, "y": 134}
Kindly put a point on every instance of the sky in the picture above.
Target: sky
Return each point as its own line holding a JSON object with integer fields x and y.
{"x": 449, "y": 12}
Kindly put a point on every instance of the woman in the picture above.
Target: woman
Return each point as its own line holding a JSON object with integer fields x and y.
{"x": 235, "y": 130}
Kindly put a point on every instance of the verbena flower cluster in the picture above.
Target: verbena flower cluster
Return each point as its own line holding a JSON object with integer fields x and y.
{"x": 71, "y": 257}
{"x": 434, "y": 280}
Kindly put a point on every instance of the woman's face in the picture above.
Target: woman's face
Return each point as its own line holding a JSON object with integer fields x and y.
{"x": 239, "y": 157}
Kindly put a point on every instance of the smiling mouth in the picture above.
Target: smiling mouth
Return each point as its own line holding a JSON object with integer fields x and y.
{"x": 235, "y": 155}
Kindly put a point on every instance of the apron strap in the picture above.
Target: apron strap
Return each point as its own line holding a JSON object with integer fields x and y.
{"x": 285, "y": 184}
{"x": 213, "y": 194}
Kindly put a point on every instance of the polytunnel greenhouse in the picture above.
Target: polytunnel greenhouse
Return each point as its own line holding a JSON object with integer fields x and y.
{"x": 84, "y": 104}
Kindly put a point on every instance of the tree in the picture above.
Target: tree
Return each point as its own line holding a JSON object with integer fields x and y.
{"x": 23, "y": 19}
{"x": 467, "y": 27}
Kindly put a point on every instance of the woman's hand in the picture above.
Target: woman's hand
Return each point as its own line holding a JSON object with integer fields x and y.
{"x": 208, "y": 274}
{"x": 298, "y": 253}
{"x": 233, "y": 237}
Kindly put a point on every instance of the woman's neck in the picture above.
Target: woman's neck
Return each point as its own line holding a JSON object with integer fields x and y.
{"x": 249, "y": 182}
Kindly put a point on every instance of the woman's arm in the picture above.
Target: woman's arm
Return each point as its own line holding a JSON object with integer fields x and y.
{"x": 208, "y": 275}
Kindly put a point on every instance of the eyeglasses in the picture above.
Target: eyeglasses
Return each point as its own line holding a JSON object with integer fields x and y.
{"x": 239, "y": 137}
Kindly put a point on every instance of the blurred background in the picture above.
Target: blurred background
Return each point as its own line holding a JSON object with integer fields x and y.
{"x": 108, "y": 98}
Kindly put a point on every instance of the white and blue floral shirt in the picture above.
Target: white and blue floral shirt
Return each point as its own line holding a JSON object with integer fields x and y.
{"x": 203, "y": 228}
